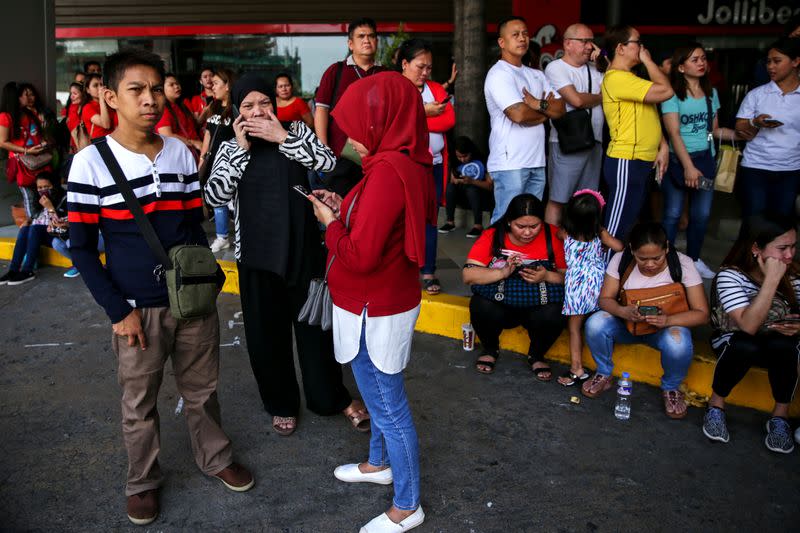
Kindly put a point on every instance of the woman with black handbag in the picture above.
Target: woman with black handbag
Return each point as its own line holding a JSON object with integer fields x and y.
{"x": 516, "y": 270}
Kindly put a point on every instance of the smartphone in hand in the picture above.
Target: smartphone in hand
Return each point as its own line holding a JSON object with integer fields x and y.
{"x": 649, "y": 310}
{"x": 301, "y": 190}
{"x": 772, "y": 122}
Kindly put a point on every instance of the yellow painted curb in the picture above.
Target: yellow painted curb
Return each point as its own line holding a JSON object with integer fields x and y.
{"x": 444, "y": 314}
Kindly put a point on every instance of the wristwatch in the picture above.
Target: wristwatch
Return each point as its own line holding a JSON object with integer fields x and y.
{"x": 543, "y": 105}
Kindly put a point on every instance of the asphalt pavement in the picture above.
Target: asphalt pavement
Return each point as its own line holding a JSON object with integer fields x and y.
{"x": 499, "y": 453}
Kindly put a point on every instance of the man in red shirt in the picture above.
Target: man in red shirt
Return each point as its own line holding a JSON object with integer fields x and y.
{"x": 362, "y": 41}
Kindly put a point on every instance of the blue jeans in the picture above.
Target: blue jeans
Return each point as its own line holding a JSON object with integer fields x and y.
{"x": 675, "y": 344}
{"x": 221, "y": 220}
{"x": 767, "y": 190}
{"x": 431, "y": 233}
{"x": 394, "y": 437}
{"x": 62, "y": 246}
{"x": 26, "y": 249}
{"x": 511, "y": 183}
{"x": 699, "y": 201}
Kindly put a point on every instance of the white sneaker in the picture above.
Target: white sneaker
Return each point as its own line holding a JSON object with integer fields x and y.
{"x": 351, "y": 474}
{"x": 703, "y": 269}
{"x": 219, "y": 244}
{"x": 384, "y": 524}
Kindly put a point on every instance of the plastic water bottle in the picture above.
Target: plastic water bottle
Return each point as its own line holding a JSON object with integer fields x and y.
{"x": 622, "y": 409}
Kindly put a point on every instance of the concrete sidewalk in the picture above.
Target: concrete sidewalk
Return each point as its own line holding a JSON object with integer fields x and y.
{"x": 500, "y": 453}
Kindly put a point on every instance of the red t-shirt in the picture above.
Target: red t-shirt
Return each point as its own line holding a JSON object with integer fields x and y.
{"x": 199, "y": 102}
{"x": 185, "y": 125}
{"x": 91, "y": 109}
{"x": 293, "y": 111}
{"x": 482, "y": 249}
{"x": 350, "y": 73}
{"x": 27, "y": 134}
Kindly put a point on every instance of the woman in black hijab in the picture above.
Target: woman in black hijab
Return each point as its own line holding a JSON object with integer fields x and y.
{"x": 278, "y": 252}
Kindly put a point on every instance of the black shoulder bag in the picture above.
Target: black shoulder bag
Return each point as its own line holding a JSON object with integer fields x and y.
{"x": 193, "y": 276}
{"x": 574, "y": 129}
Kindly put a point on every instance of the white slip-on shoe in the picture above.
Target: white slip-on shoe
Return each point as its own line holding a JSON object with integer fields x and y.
{"x": 383, "y": 524}
{"x": 219, "y": 244}
{"x": 351, "y": 474}
{"x": 703, "y": 270}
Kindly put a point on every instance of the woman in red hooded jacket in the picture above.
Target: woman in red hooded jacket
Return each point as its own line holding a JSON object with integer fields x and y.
{"x": 376, "y": 239}
{"x": 415, "y": 61}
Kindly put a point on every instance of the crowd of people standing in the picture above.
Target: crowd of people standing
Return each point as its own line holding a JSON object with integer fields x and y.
{"x": 372, "y": 164}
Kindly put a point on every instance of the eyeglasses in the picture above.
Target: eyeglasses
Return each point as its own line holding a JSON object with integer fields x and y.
{"x": 584, "y": 41}
{"x": 640, "y": 43}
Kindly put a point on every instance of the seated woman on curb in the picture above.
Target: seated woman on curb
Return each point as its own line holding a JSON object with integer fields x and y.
{"x": 520, "y": 235}
{"x": 648, "y": 262}
{"x": 754, "y": 294}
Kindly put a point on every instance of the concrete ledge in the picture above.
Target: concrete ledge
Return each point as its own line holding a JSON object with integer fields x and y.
{"x": 444, "y": 314}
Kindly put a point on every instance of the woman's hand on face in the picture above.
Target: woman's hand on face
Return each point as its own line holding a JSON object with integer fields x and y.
{"x": 268, "y": 128}
{"x": 45, "y": 202}
{"x": 659, "y": 321}
{"x": 321, "y": 210}
{"x": 241, "y": 135}
{"x": 773, "y": 269}
{"x": 691, "y": 176}
{"x": 434, "y": 109}
{"x": 533, "y": 274}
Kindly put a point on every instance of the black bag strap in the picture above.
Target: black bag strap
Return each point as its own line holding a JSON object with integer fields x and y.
{"x": 132, "y": 202}
{"x": 336, "y": 80}
{"x": 589, "y": 75}
{"x": 710, "y": 124}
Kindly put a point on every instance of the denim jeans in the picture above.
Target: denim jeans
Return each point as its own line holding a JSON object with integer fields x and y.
{"x": 675, "y": 344}
{"x": 431, "y": 233}
{"x": 699, "y": 202}
{"x": 26, "y": 249}
{"x": 511, "y": 183}
{"x": 394, "y": 437}
{"x": 761, "y": 190}
{"x": 221, "y": 220}
{"x": 62, "y": 246}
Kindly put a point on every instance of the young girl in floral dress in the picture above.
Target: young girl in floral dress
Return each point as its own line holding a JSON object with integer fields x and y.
{"x": 585, "y": 256}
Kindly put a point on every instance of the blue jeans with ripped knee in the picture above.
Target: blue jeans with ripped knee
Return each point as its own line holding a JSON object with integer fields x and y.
{"x": 603, "y": 330}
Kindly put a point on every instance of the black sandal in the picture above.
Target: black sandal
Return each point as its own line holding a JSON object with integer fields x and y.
{"x": 539, "y": 371}
{"x": 432, "y": 286}
{"x": 487, "y": 364}
{"x": 574, "y": 379}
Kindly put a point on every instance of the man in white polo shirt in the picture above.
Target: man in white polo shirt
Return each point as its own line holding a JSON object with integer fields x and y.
{"x": 570, "y": 76}
{"x": 519, "y": 100}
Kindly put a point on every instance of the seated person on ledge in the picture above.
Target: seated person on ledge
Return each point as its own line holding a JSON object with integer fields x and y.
{"x": 648, "y": 262}
{"x": 515, "y": 251}
{"x": 755, "y": 304}
{"x": 468, "y": 184}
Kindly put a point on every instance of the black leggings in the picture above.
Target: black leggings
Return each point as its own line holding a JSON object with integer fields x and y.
{"x": 270, "y": 310}
{"x": 544, "y": 324}
{"x": 776, "y": 352}
{"x": 479, "y": 200}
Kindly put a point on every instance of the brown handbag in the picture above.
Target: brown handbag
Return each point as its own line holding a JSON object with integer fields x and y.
{"x": 670, "y": 299}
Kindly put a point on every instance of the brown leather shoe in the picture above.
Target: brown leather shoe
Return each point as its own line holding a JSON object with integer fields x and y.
{"x": 596, "y": 386}
{"x": 236, "y": 477}
{"x": 143, "y": 507}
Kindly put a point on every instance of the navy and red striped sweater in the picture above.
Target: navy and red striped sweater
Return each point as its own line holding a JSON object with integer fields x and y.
{"x": 169, "y": 192}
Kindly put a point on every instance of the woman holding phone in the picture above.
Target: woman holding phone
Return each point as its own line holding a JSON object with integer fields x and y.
{"x": 769, "y": 118}
{"x": 755, "y": 304}
{"x": 377, "y": 244}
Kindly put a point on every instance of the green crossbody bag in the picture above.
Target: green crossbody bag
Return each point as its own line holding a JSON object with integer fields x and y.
{"x": 193, "y": 276}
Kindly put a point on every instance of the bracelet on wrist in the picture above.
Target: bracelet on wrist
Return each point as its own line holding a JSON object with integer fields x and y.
{"x": 750, "y": 120}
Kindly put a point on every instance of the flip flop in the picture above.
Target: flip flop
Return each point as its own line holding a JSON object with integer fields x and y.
{"x": 539, "y": 371}
{"x": 574, "y": 379}
{"x": 289, "y": 421}
{"x": 432, "y": 286}
{"x": 487, "y": 364}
